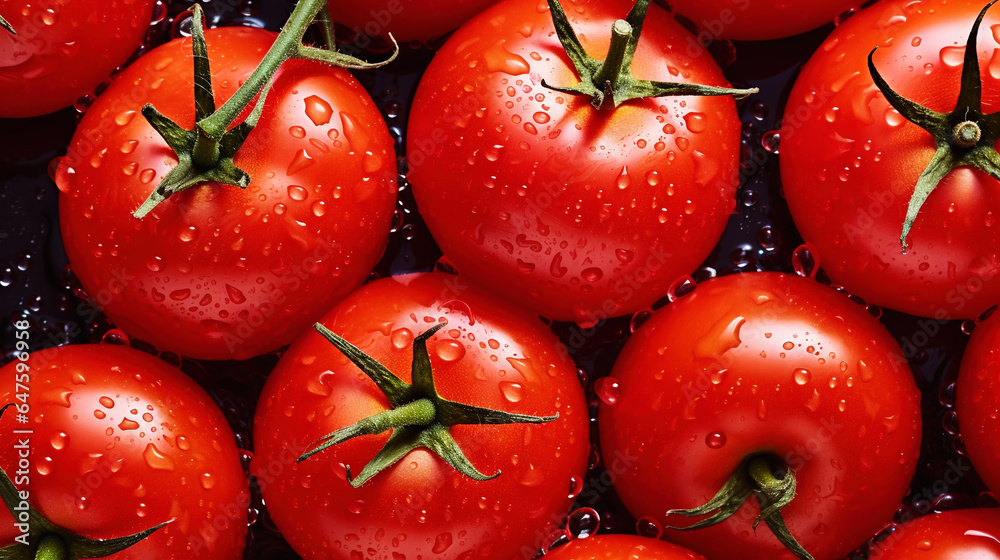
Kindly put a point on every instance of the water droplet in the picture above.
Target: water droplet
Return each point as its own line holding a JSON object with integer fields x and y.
{"x": 802, "y": 376}
{"x": 301, "y": 161}
{"x": 623, "y": 180}
{"x": 156, "y": 459}
{"x": 649, "y": 528}
{"x": 297, "y": 132}
{"x": 715, "y": 440}
{"x": 583, "y": 523}
{"x": 117, "y": 337}
{"x": 608, "y": 390}
{"x": 441, "y": 543}
{"x": 592, "y": 274}
{"x": 575, "y": 487}
{"x": 953, "y": 55}
{"x": 106, "y": 402}
{"x": 128, "y": 424}
{"x": 696, "y": 122}
{"x": 59, "y": 440}
{"x": 680, "y": 288}
{"x": 450, "y": 350}
{"x": 207, "y": 481}
{"x": 805, "y": 260}
{"x": 318, "y": 110}
{"x": 511, "y": 391}
{"x": 771, "y": 141}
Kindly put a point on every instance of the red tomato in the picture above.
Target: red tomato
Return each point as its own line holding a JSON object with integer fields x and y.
{"x": 121, "y": 442}
{"x": 63, "y": 50}
{"x": 489, "y": 355}
{"x": 850, "y": 162}
{"x": 977, "y": 400}
{"x": 756, "y": 20}
{"x": 574, "y": 212}
{"x": 621, "y": 547}
{"x": 407, "y": 20}
{"x": 217, "y": 272}
{"x": 970, "y": 534}
{"x": 774, "y": 366}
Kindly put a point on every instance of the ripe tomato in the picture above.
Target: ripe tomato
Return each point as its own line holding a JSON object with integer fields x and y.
{"x": 407, "y": 20}
{"x": 489, "y": 355}
{"x": 574, "y": 212}
{"x": 621, "y": 547}
{"x": 217, "y": 272}
{"x": 773, "y": 367}
{"x": 63, "y": 50}
{"x": 850, "y": 162}
{"x": 757, "y": 20}
{"x": 122, "y": 442}
{"x": 970, "y": 534}
{"x": 977, "y": 399}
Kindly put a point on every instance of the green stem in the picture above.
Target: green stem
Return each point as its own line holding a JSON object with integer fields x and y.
{"x": 285, "y": 46}
{"x": 4, "y": 24}
{"x": 613, "y": 67}
{"x": 761, "y": 473}
{"x": 206, "y": 151}
{"x": 52, "y": 547}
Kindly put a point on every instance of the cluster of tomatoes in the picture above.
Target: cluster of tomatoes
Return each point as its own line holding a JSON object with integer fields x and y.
{"x": 618, "y": 339}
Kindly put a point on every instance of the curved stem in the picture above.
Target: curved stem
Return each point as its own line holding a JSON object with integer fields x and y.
{"x": 284, "y": 47}
{"x": 52, "y": 547}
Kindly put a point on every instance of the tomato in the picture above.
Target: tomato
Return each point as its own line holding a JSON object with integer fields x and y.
{"x": 977, "y": 399}
{"x": 850, "y": 162}
{"x": 972, "y": 534}
{"x": 121, "y": 442}
{"x": 574, "y": 212}
{"x": 616, "y": 547}
{"x": 757, "y": 20}
{"x": 407, "y": 20}
{"x": 773, "y": 370}
{"x": 488, "y": 355}
{"x": 219, "y": 272}
{"x": 63, "y": 50}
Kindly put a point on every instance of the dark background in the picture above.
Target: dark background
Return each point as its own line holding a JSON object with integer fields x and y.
{"x": 37, "y": 284}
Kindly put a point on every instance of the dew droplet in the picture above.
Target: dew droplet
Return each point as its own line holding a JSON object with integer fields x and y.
{"x": 608, "y": 390}
{"x": 583, "y": 523}
{"x": 801, "y": 376}
{"x": 156, "y": 459}
{"x": 318, "y": 110}
{"x": 715, "y": 440}
{"x": 511, "y": 391}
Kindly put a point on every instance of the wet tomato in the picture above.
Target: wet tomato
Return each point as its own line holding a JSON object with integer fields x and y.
{"x": 219, "y": 272}
{"x": 575, "y": 212}
{"x": 972, "y": 534}
{"x": 977, "y": 400}
{"x": 770, "y": 382}
{"x": 63, "y": 50}
{"x": 407, "y": 20}
{"x": 756, "y": 19}
{"x": 458, "y": 478}
{"x": 617, "y": 547}
{"x": 119, "y": 443}
{"x": 851, "y": 162}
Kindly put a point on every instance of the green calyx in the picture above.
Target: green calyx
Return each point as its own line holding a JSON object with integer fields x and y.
{"x": 610, "y": 82}
{"x": 7, "y": 26}
{"x": 766, "y": 479}
{"x": 965, "y": 136}
{"x": 418, "y": 416}
{"x": 48, "y": 541}
{"x": 206, "y": 152}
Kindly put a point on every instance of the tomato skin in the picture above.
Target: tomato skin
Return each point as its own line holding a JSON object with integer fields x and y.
{"x": 970, "y": 534}
{"x": 112, "y": 428}
{"x": 581, "y": 214}
{"x": 765, "y": 363}
{"x": 217, "y": 272}
{"x": 63, "y": 50}
{"x": 504, "y": 360}
{"x": 758, "y": 20}
{"x": 849, "y": 162}
{"x": 407, "y": 20}
{"x": 977, "y": 399}
{"x": 616, "y": 547}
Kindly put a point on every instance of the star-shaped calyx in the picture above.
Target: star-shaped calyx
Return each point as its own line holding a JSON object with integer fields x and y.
{"x": 48, "y": 541}
{"x": 418, "y": 416}
{"x": 205, "y": 153}
{"x": 965, "y": 136}
{"x": 610, "y": 82}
